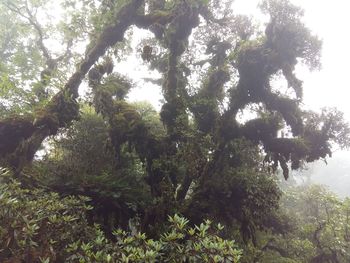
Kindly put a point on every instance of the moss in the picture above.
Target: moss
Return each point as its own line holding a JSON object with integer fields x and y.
{"x": 14, "y": 130}
{"x": 60, "y": 111}
{"x": 206, "y": 113}
{"x": 289, "y": 109}
{"x": 286, "y": 146}
{"x": 261, "y": 129}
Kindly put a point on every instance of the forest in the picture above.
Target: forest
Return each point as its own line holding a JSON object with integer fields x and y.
{"x": 89, "y": 175}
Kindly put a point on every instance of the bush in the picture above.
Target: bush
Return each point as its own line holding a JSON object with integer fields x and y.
{"x": 36, "y": 226}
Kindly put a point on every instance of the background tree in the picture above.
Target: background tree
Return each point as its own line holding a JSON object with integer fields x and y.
{"x": 318, "y": 225}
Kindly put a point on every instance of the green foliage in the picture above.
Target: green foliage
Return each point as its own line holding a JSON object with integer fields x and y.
{"x": 180, "y": 243}
{"x": 37, "y": 226}
{"x": 323, "y": 220}
{"x": 199, "y": 156}
{"x": 318, "y": 229}
{"x": 242, "y": 195}
{"x": 82, "y": 161}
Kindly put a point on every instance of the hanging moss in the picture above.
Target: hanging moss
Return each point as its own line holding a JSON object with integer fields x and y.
{"x": 289, "y": 109}
{"x": 319, "y": 145}
{"x": 176, "y": 39}
{"x": 261, "y": 129}
{"x": 286, "y": 146}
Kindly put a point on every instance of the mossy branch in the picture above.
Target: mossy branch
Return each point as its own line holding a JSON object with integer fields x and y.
{"x": 51, "y": 117}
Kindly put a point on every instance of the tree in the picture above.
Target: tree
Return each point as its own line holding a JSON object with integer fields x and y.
{"x": 318, "y": 222}
{"x": 214, "y": 65}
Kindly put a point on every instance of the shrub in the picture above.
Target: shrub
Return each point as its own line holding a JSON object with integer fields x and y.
{"x": 37, "y": 226}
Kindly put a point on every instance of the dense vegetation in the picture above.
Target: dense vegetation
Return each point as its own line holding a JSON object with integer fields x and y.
{"x": 95, "y": 178}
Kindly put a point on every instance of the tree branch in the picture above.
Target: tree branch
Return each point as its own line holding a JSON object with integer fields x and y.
{"x": 63, "y": 108}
